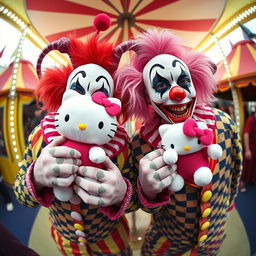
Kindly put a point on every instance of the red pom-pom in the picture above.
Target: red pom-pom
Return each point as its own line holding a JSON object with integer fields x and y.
{"x": 101, "y": 22}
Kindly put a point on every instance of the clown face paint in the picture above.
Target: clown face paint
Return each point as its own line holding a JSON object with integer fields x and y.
{"x": 90, "y": 78}
{"x": 170, "y": 88}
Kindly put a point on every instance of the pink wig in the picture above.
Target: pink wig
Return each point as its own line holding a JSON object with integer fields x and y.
{"x": 129, "y": 79}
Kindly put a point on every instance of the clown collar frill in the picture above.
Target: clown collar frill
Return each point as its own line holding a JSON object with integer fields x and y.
{"x": 149, "y": 131}
{"x": 112, "y": 148}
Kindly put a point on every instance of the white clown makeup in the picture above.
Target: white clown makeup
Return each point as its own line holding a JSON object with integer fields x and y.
{"x": 90, "y": 78}
{"x": 170, "y": 88}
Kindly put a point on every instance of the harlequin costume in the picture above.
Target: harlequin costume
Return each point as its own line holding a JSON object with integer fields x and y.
{"x": 77, "y": 228}
{"x": 168, "y": 83}
{"x": 192, "y": 221}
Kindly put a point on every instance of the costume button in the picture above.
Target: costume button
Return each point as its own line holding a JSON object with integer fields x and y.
{"x": 76, "y": 216}
{"x": 80, "y": 233}
{"x": 78, "y": 227}
{"x": 75, "y": 200}
{"x": 81, "y": 240}
{"x": 206, "y": 212}
{"x": 205, "y": 225}
{"x": 203, "y": 238}
{"x": 206, "y": 196}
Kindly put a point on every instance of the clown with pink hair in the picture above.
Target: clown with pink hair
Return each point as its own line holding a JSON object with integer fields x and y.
{"x": 167, "y": 84}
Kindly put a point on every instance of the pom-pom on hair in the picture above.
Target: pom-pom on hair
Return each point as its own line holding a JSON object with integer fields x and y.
{"x": 101, "y": 22}
{"x": 129, "y": 79}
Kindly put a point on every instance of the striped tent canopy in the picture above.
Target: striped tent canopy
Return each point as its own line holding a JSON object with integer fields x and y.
{"x": 26, "y": 77}
{"x": 190, "y": 19}
{"x": 242, "y": 64}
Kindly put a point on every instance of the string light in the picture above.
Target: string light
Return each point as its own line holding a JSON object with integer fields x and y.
{"x": 241, "y": 16}
{"x": 231, "y": 85}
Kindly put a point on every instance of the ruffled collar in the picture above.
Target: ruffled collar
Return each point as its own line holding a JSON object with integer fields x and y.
{"x": 149, "y": 131}
{"x": 112, "y": 148}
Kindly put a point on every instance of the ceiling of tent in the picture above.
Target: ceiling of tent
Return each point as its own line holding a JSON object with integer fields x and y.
{"x": 190, "y": 19}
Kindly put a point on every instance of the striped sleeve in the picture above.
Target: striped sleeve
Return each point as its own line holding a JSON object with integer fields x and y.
{"x": 32, "y": 150}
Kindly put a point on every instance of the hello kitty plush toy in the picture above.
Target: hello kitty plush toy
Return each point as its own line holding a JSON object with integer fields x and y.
{"x": 188, "y": 146}
{"x": 87, "y": 124}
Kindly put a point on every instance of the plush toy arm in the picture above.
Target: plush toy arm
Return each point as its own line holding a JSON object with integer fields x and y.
{"x": 214, "y": 151}
{"x": 97, "y": 155}
{"x": 170, "y": 156}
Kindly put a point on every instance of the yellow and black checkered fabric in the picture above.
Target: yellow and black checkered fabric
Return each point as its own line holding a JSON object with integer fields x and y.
{"x": 177, "y": 222}
{"x": 97, "y": 226}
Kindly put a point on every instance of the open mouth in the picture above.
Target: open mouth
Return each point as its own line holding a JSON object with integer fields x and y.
{"x": 179, "y": 112}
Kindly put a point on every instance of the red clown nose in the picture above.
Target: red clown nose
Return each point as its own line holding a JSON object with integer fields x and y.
{"x": 177, "y": 93}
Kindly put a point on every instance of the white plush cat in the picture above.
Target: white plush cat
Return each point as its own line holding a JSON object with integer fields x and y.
{"x": 188, "y": 145}
{"x": 87, "y": 122}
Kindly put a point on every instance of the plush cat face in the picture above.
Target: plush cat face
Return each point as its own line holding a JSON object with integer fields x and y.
{"x": 173, "y": 137}
{"x": 79, "y": 118}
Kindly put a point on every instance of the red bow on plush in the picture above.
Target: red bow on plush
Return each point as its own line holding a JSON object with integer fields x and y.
{"x": 190, "y": 128}
{"x": 112, "y": 109}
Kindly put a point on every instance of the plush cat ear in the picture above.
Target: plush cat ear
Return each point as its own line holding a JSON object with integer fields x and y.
{"x": 68, "y": 94}
{"x": 163, "y": 128}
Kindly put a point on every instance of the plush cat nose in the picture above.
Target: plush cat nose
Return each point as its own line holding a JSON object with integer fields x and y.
{"x": 177, "y": 93}
{"x": 82, "y": 126}
{"x": 186, "y": 148}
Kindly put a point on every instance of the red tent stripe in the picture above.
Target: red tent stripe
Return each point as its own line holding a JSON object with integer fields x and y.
{"x": 63, "y": 6}
{"x": 29, "y": 78}
{"x": 187, "y": 25}
{"x": 5, "y": 76}
{"x": 155, "y": 4}
{"x": 247, "y": 63}
{"x": 74, "y": 32}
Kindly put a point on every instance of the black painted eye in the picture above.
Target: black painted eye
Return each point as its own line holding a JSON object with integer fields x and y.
{"x": 172, "y": 146}
{"x": 100, "y": 125}
{"x": 66, "y": 118}
{"x": 76, "y": 86}
{"x": 104, "y": 90}
{"x": 160, "y": 84}
{"x": 199, "y": 142}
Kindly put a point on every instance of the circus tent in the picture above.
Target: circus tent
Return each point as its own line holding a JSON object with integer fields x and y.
{"x": 24, "y": 103}
{"x": 127, "y": 17}
{"x": 242, "y": 65}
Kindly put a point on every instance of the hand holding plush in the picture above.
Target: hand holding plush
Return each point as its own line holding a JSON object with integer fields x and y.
{"x": 188, "y": 145}
{"x": 86, "y": 122}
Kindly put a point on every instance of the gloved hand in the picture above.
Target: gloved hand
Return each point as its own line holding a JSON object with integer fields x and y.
{"x": 154, "y": 174}
{"x": 101, "y": 187}
{"x": 56, "y": 166}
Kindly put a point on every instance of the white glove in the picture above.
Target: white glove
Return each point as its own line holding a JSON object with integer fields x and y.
{"x": 101, "y": 187}
{"x": 56, "y": 166}
{"x": 154, "y": 174}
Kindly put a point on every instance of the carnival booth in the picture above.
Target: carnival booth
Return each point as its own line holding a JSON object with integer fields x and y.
{"x": 17, "y": 106}
{"x": 236, "y": 77}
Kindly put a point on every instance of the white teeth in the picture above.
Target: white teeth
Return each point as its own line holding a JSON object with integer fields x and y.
{"x": 180, "y": 109}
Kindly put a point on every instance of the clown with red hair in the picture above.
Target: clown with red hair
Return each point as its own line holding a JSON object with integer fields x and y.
{"x": 86, "y": 202}
{"x": 167, "y": 83}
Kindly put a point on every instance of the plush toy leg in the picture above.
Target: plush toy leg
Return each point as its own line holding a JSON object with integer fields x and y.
{"x": 63, "y": 194}
{"x": 177, "y": 183}
{"x": 202, "y": 176}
